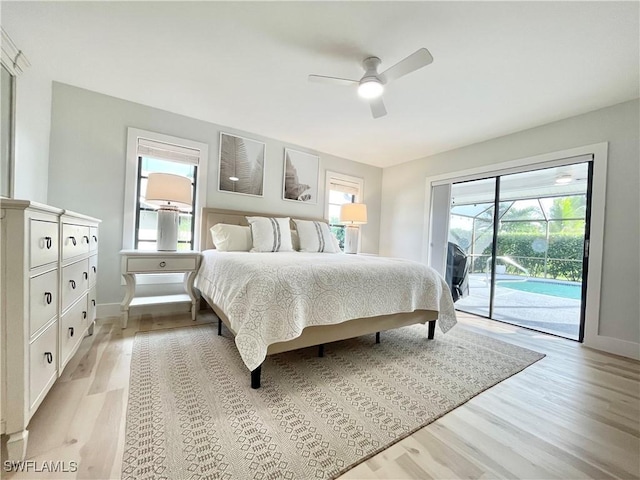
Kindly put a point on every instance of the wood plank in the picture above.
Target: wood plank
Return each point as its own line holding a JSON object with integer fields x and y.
{"x": 574, "y": 414}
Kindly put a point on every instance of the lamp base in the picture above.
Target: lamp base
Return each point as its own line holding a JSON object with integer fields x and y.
{"x": 351, "y": 234}
{"x": 167, "y": 229}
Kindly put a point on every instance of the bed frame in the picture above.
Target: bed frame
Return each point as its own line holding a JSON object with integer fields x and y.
{"x": 314, "y": 335}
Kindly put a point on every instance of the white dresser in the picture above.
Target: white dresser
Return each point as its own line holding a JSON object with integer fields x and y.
{"x": 48, "y": 276}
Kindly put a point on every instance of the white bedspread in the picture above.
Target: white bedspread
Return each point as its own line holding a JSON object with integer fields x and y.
{"x": 272, "y": 297}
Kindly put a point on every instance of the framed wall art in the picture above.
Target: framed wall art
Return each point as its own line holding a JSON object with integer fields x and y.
{"x": 241, "y": 168}
{"x": 300, "y": 183}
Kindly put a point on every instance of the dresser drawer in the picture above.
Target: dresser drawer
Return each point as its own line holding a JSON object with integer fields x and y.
{"x": 91, "y": 305}
{"x": 93, "y": 269}
{"x": 72, "y": 327}
{"x": 43, "y": 356}
{"x": 43, "y": 300}
{"x": 43, "y": 243}
{"x": 75, "y": 281}
{"x": 160, "y": 264}
{"x": 93, "y": 239}
{"x": 75, "y": 240}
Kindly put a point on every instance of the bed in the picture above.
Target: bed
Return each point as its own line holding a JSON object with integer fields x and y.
{"x": 277, "y": 302}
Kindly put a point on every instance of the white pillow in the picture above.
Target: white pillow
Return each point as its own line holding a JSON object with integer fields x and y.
{"x": 295, "y": 240}
{"x": 270, "y": 234}
{"x": 315, "y": 237}
{"x": 231, "y": 238}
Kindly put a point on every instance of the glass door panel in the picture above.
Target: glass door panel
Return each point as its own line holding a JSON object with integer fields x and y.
{"x": 539, "y": 250}
{"x": 471, "y": 229}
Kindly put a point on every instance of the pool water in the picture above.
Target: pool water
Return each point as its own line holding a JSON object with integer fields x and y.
{"x": 563, "y": 290}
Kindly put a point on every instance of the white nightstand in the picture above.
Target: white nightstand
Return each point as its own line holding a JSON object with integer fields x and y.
{"x": 135, "y": 262}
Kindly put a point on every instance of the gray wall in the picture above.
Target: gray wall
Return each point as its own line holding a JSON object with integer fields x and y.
{"x": 403, "y": 196}
{"x": 87, "y": 170}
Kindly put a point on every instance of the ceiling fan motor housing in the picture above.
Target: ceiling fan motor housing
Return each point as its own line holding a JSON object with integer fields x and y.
{"x": 370, "y": 65}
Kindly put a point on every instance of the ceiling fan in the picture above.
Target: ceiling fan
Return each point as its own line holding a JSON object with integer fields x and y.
{"x": 372, "y": 83}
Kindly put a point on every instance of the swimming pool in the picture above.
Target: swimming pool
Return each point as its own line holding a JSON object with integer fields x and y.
{"x": 555, "y": 289}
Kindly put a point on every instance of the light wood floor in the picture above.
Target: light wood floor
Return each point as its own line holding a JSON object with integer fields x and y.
{"x": 574, "y": 414}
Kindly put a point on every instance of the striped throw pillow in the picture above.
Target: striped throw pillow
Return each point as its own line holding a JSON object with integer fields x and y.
{"x": 270, "y": 234}
{"x": 315, "y": 237}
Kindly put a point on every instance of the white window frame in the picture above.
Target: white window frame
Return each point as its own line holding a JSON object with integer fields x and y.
{"x": 346, "y": 178}
{"x": 131, "y": 177}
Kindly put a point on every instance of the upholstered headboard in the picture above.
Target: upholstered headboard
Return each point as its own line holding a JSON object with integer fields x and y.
{"x": 212, "y": 216}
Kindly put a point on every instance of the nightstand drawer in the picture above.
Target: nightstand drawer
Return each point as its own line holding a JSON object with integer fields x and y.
{"x": 160, "y": 264}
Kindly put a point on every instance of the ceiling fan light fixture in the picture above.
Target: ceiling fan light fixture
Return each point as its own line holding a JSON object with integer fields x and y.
{"x": 564, "y": 179}
{"x": 370, "y": 88}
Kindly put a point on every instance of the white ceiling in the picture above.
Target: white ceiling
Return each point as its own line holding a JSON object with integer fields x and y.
{"x": 499, "y": 67}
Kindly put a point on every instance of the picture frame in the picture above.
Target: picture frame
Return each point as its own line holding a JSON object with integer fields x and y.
{"x": 300, "y": 177}
{"x": 241, "y": 165}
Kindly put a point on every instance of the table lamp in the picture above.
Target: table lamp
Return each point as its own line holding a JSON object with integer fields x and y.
{"x": 352, "y": 215}
{"x": 170, "y": 193}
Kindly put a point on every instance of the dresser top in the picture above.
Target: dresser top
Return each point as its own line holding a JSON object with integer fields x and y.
{"x": 24, "y": 204}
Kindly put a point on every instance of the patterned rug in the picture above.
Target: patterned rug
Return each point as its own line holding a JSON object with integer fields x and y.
{"x": 192, "y": 413}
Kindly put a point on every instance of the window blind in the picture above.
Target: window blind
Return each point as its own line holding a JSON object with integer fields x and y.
{"x": 167, "y": 151}
{"x": 344, "y": 186}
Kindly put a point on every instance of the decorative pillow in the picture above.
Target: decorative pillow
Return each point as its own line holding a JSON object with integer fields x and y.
{"x": 315, "y": 237}
{"x": 295, "y": 240}
{"x": 231, "y": 238}
{"x": 336, "y": 243}
{"x": 270, "y": 234}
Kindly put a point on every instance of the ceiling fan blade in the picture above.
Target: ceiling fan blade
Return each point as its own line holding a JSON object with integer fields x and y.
{"x": 377, "y": 107}
{"x": 334, "y": 80}
{"x": 413, "y": 62}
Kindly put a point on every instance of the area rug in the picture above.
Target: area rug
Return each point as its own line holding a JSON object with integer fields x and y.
{"x": 192, "y": 413}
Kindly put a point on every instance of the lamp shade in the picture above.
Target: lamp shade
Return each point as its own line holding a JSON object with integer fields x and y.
{"x": 166, "y": 189}
{"x": 353, "y": 213}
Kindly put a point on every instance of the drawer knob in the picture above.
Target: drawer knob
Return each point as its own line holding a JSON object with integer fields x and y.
{"x": 73, "y": 240}
{"x": 93, "y": 302}
{"x": 95, "y": 270}
{"x": 48, "y": 242}
{"x": 163, "y": 264}
{"x": 84, "y": 315}
{"x": 73, "y": 284}
{"x": 95, "y": 239}
{"x": 49, "y": 357}
{"x": 71, "y": 331}
{"x": 48, "y": 297}
{"x": 85, "y": 275}
{"x": 85, "y": 238}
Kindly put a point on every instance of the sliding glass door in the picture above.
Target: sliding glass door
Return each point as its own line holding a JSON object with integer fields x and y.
{"x": 524, "y": 235}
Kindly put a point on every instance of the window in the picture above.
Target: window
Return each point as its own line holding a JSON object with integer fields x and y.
{"x": 149, "y": 152}
{"x": 341, "y": 189}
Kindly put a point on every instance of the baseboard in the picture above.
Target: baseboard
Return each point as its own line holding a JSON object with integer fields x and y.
{"x": 104, "y": 310}
{"x": 616, "y": 346}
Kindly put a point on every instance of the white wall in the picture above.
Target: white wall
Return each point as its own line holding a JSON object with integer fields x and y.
{"x": 33, "y": 120}
{"x": 403, "y": 197}
{"x": 87, "y": 170}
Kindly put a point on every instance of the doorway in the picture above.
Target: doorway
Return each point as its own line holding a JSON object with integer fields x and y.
{"x": 526, "y": 235}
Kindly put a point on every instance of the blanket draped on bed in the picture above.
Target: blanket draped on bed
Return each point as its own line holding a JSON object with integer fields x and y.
{"x": 272, "y": 297}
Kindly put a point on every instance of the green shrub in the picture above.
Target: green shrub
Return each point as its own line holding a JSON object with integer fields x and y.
{"x": 564, "y": 254}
